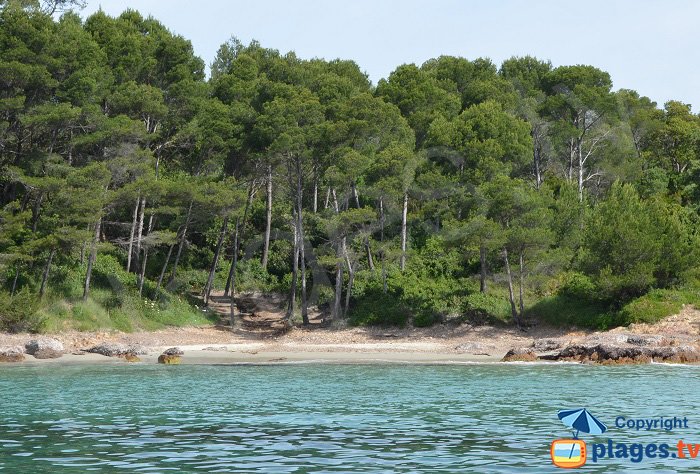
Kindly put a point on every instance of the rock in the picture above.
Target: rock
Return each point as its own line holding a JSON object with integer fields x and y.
{"x": 609, "y": 354}
{"x": 173, "y": 351}
{"x": 546, "y": 345}
{"x": 131, "y": 358}
{"x": 520, "y": 354}
{"x": 472, "y": 347}
{"x": 44, "y": 348}
{"x": 212, "y": 348}
{"x": 12, "y": 354}
{"x": 169, "y": 359}
{"x": 171, "y": 356}
{"x": 643, "y": 340}
{"x": 116, "y": 349}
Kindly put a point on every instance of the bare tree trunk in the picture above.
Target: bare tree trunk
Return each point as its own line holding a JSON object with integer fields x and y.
{"x": 356, "y": 197}
{"x": 36, "y": 212}
{"x": 215, "y": 261}
{"x": 295, "y": 270}
{"x": 131, "y": 234}
{"x": 537, "y": 157}
{"x": 302, "y": 262}
{"x": 404, "y": 215}
{"x": 139, "y": 235}
{"x": 300, "y": 237}
{"x": 91, "y": 260}
{"x": 315, "y": 192}
{"x": 142, "y": 274}
{"x": 340, "y": 252}
{"x": 381, "y": 239}
{"x": 14, "y": 281}
{"x": 351, "y": 280}
{"x": 248, "y": 203}
{"x": 165, "y": 267}
{"x": 482, "y": 265}
{"x": 328, "y": 196}
{"x": 232, "y": 269}
{"x": 336, "y": 314}
{"x": 234, "y": 264}
{"x": 268, "y": 218}
{"x": 580, "y": 174}
{"x": 183, "y": 239}
{"x": 522, "y": 281}
{"x": 511, "y": 296}
{"x": 45, "y": 276}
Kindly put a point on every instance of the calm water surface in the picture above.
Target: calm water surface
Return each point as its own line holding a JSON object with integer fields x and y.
{"x": 328, "y": 418}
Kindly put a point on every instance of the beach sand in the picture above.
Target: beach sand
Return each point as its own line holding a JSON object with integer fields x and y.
{"x": 439, "y": 344}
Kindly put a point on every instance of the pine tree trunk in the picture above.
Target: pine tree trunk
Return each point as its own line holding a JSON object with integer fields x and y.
{"x": 404, "y": 216}
{"x": 482, "y": 269}
{"x": 215, "y": 261}
{"x": 338, "y": 280}
{"x": 351, "y": 280}
{"x": 522, "y": 282}
{"x": 268, "y": 218}
{"x": 295, "y": 270}
{"x": 300, "y": 244}
{"x": 14, "y": 281}
{"x": 580, "y": 174}
{"x": 91, "y": 260}
{"x": 165, "y": 267}
{"x": 45, "y": 276}
{"x": 234, "y": 264}
{"x": 183, "y": 239}
{"x": 511, "y": 296}
{"x": 131, "y": 234}
{"x": 248, "y": 203}
{"x": 139, "y": 235}
{"x": 142, "y": 274}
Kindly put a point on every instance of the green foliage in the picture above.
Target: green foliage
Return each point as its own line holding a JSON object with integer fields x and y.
{"x": 18, "y": 313}
{"x": 484, "y": 183}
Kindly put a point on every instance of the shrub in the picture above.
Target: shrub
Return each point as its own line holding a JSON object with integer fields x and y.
{"x": 18, "y": 313}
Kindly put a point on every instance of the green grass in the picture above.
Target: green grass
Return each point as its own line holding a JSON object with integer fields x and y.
{"x": 658, "y": 304}
{"x": 133, "y": 314}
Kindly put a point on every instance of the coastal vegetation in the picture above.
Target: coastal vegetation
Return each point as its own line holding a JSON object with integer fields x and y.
{"x": 455, "y": 190}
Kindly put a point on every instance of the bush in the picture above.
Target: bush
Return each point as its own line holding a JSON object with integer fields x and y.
{"x": 480, "y": 307}
{"x": 657, "y": 305}
{"x": 376, "y": 308}
{"x": 18, "y": 313}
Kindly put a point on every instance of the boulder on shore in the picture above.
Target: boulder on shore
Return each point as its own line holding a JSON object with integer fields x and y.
{"x": 171, "y": 356}
{"x": 12, "y": 354}
{"x": 44, "y": 348}
{"x": 520, "y": 354}
{"x": 117, "y": 349}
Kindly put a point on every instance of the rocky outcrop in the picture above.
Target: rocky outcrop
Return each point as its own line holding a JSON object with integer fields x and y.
{"x": 171, "y": 356}
{"x": 546, "y": 345}
{"x": 12, "y": 354}
{"x": 116, "y": 349}
{"x": 520, "y": 354}
{"x": 44, "y": 348}
{"x": 627, "y": 354}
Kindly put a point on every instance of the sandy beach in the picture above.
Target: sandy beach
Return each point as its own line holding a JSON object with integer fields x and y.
{"x": 439, "y": 344}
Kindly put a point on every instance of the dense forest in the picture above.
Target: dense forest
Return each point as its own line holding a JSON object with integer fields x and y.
{"x": 131, "y": 185}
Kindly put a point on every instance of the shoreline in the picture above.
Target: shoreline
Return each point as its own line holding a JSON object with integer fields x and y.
{"x": 196, "y": 356}
{"x": 441, "y": 344}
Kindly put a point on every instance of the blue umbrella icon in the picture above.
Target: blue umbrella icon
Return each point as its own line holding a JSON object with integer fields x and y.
{"x": 582, "y": 420}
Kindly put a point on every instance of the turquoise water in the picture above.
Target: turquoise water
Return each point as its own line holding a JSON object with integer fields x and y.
{"x": 329, "y": 418}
